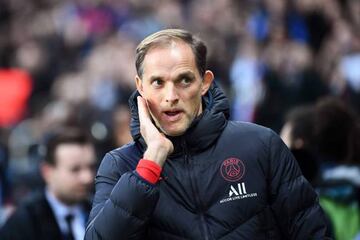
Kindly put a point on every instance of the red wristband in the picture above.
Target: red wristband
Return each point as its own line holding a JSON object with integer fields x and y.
{"x": 149, "y": 170}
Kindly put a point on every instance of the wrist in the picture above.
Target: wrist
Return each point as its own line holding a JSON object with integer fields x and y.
{"x": 157, "y": 153}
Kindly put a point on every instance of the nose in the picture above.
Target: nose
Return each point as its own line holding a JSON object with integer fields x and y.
{"x": 171, "y": 95}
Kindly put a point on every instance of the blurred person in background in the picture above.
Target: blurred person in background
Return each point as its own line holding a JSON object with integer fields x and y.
{"x": 121, "y": 126}
{"x": 181, "y": 131}
{"x": 61, "y": 210}
{"x": 298, "y": 134}
{"x": 337, "y": 136}
{"x": 5, "y": 206}
{"x": 324, "y": 139}
{"x": 3, "y": 169}
{"x": 336, "y": 131}
{"x": 246, "y": 81}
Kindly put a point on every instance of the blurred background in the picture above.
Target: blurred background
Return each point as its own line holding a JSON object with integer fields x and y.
{"x": 293, "y": 66}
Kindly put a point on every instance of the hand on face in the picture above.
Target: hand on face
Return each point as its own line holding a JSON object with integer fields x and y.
{"x": 173, "y": 87}
{"x": 158, "y": 146}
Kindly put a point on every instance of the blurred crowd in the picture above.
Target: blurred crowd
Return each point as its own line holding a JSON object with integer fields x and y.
{"x": 71, "y": 62}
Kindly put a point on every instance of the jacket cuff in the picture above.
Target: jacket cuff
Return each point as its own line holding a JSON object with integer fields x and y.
{"x": 149, "y": 170}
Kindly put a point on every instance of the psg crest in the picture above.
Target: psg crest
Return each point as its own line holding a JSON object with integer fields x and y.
{"x": 232, "y": 169}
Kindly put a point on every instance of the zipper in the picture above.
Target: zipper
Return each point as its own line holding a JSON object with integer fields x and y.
{"x": 194, "y": 189}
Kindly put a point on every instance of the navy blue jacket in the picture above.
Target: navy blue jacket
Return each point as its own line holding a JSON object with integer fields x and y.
{"x": 225, "y": 180}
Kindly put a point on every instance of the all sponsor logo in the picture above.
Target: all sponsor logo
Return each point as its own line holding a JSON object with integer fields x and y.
{"x": 232, "y": 169}
{"x": 237, "y": 192}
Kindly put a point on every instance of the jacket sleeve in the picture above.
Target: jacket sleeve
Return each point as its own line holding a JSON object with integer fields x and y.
{"x": 18, "y": 226}
{"x": 122, "y": 204}
{"x": 292, "y": 199}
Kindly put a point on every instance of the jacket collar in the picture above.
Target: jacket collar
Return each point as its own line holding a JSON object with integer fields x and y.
{"x": 204, "y": 130}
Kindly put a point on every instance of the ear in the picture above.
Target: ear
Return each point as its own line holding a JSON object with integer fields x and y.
{"x": 139, "y": 85}
{"x": 208, "y": 79}
{"x": 46, "y": 171}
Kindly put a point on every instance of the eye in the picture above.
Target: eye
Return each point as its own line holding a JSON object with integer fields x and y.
{"x": 185, "y": 81}
{"x": 157, "y": 82}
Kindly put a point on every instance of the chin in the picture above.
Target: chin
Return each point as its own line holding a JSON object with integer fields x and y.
{"x": 174, "y": 132}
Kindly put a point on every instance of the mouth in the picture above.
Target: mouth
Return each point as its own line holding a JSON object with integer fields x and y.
{"x": 172, "y": 115}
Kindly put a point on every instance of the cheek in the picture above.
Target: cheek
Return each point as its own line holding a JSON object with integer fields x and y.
{"x": 56, "y": 177}
{"x": 60, "y": 182}
{"x": 153, "y": 104}
{"x": 66, "y": 177}
{"x": 194, "y": 100}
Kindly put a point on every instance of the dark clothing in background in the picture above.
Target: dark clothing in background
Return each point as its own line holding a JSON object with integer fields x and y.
{"x": 285, "y": 92}
{"x": 4, "y": 183}
{"x": 225, "y": 180}
{"x": 33, "y": 220}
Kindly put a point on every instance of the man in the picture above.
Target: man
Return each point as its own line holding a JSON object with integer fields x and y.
{"x": 61, "y": 211}
{"x": 299, "y": 136}
{"x": 219, "y": 179}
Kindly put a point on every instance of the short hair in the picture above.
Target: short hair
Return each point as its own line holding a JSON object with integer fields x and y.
{"x": 301, "y": 119}
{"x": 168, "y": 36}
{"x": 67, "y": 135}
{"x": 336, "y": 129}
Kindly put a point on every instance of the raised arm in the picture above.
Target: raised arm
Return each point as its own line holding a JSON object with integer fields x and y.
{"x": 121, "y": 208}
{"x": 123, "y": 203}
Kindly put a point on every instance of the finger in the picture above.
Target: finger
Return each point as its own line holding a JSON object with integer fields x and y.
{"x": 144, "y": 115}
{"x": 142, "y": 109}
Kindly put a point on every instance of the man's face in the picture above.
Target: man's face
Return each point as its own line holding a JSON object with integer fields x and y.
{"x": 72, "y": 177}
{"x": 173, "y": 87}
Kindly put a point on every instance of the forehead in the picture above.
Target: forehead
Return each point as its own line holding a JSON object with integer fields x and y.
{"x": 70, "y": 154}
{"x": 167, "y": 58}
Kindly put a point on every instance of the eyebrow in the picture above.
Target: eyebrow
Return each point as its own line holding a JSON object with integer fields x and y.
{"x": 188, "y": 74}
{"x": 155, "y": 77}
